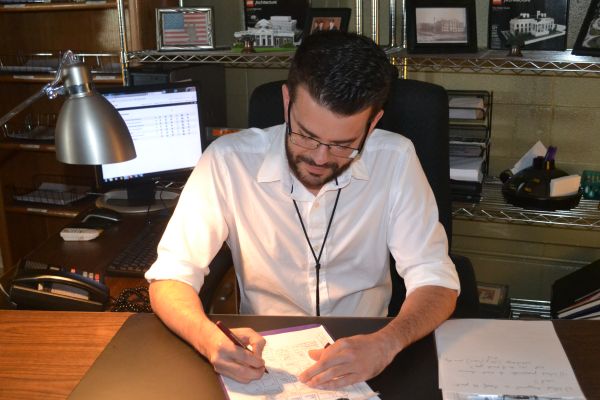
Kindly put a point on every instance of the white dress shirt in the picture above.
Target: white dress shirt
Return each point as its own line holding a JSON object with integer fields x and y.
{"x": 241, "y": 193}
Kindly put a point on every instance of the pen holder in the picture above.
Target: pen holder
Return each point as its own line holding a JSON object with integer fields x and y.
{"x": 530, "y": 188}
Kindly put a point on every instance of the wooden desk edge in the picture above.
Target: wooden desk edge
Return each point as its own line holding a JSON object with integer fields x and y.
{"x": 61, "y": 360}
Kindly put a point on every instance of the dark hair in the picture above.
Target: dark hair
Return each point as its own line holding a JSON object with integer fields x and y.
{"x": 344, "y": 72}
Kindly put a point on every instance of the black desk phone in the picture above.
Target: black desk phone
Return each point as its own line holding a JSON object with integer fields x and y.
{"x": 41, "y": 286}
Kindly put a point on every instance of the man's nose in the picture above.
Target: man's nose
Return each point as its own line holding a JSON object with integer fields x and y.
{"x": 321, "y": 154}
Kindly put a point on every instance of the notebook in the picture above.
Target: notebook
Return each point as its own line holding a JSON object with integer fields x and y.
{"x": 145, "y": 360}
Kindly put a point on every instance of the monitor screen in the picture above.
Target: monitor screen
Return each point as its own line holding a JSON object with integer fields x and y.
{"x": 165, "y": 125}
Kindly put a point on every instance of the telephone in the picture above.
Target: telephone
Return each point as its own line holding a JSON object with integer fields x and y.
{"x": 52, "y": 288}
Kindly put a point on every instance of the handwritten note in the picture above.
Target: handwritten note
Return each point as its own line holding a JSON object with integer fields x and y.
{"x": 286, "y": 356}
{"x": 503, "y": 357}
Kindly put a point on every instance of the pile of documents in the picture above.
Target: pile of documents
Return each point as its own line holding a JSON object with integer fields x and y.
{"x": 499, "y": 359}
{"x": 470, "y": 120}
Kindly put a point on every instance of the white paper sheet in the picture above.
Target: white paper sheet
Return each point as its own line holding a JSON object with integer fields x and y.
{"x": 286, "y": 356}
{"x": 503, "y": 357}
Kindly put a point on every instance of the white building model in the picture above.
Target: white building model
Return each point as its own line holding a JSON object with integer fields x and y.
{"x": 279, "y": 31}
{"x": 540, "y": 25}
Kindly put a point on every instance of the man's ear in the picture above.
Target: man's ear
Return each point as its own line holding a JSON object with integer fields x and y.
{"x": 285, "y": 92}
{"x": 375, "y": 120}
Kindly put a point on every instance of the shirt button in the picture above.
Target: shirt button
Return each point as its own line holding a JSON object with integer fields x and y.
{"x": 316, "y": 205}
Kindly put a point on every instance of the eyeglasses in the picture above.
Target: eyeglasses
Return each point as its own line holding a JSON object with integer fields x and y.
{"x": 310, "y": 143}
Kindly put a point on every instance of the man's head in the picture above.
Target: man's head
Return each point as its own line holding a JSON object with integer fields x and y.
{"x": 336, "y": 89}
{"x": 343, "y": 72}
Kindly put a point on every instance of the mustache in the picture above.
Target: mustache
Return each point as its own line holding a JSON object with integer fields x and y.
{"x": 309, "y": 161}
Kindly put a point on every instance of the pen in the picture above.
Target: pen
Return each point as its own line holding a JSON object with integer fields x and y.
{"x": 234, "y": 338}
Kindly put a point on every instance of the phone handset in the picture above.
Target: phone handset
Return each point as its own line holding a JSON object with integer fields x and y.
{"x": 58, "y": 290}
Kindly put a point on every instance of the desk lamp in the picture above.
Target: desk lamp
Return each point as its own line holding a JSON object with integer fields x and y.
{"x": 89, "y": 130}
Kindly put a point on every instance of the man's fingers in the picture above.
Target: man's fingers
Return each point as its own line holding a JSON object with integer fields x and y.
{"x": 315, "y": 354}
{"x": 239, "y": 372}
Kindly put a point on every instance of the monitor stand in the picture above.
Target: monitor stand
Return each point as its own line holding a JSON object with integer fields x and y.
{"x": 138, "y": 199}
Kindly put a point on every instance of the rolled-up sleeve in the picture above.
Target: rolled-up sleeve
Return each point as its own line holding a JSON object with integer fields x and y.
{"x": 416, "y": 238}
{"x": 197, "y": 228}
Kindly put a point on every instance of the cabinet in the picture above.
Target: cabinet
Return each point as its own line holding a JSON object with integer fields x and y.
{"x": 34, "y": 35}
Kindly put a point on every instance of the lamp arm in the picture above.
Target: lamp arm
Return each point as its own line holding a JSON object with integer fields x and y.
{"x": 51, "y": 90}
{"x": 23, "y": 105}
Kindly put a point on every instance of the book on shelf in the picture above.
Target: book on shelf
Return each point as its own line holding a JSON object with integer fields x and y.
{"x": 594, "y": 315}
{"x": 581, "y": 311}
{"x": 577, "y": 289}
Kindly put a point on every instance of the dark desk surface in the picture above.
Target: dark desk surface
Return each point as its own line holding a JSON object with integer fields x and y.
{"x": 43, "y": 355}
{"x": 95, "y": 255}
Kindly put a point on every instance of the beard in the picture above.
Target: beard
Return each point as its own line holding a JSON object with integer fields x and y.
{"x": 309, "y": 180}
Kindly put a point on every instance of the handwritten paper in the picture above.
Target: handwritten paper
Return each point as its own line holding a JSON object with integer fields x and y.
{"x": 286, "y": 356}
{"x": 504, "y": 357}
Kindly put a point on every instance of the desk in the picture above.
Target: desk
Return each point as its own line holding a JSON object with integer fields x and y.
{"x": 43, "y": 355}
{"x": 218, "y": 292}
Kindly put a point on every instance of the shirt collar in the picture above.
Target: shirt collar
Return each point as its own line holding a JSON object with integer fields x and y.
{"x": 275, "y": 166}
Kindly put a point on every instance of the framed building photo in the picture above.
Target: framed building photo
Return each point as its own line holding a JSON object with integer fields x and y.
{"x": 530, "y": 24}
{"x": 588, "y": 40}
{"x": 441, "y": 26}
{"x": 184, "y": 28}
{"x": 256, "y": 10}
{"x": 327, "y": 19}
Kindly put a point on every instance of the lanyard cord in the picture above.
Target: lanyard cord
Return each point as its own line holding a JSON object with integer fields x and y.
{"x": 317, "y": 259}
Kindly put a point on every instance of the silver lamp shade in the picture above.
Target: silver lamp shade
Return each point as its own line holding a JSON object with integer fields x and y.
{"x": 89, "y": 130}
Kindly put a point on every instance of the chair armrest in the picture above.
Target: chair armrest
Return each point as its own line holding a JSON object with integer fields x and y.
{"x": 218, "y": 269}
{"x": 467, "y": 304}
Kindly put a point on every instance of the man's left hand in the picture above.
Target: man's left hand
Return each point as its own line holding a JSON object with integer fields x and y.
{"x": 349, "y": 360}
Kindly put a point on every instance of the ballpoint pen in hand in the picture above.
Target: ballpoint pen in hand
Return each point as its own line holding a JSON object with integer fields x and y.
{"x": 234, "y": 338}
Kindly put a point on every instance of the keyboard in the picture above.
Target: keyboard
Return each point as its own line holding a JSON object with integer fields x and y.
{"x": 140, "y": 254}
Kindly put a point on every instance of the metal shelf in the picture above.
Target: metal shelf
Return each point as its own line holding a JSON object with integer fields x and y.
{"x": 498, "y": 62}
{"x": 485, "y": 61}
{"x": 493, "y": 208}
{"x": 229, "y": 58}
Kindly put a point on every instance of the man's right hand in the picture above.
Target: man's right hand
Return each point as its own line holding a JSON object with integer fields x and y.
{"x": 233, "y": 361}
{"x": 178, "y": 306}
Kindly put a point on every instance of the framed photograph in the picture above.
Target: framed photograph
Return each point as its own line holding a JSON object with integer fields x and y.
{"x": 256, "y": 10}
{"x": 184, "y": 28}
{"x": 327, "y": 19}
{"x": 441, "y": 26}
{"x": 531, "y": 24}
{"x": 492, "y": 294}
{"x": 588, "y": 40}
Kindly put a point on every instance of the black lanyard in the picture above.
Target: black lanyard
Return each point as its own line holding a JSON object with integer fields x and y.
{"x": 317, "y": 259}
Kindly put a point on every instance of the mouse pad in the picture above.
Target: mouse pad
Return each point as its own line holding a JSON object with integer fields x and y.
{"x": 145, "y": 360}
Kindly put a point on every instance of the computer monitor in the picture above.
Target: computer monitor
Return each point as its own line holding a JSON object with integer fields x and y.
{"x": 166, "y": 127}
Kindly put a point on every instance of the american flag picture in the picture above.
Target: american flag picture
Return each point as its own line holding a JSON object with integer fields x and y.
{"x": 191, "y": 28}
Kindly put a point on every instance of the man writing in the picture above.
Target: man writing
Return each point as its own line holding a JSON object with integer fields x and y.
{"x": 311, "y": 211}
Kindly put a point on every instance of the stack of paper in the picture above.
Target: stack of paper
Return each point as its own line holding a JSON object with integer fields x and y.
{"x": 488, "y": 359}
{"x": 466, "y": 169}
{"x": 286, "y": 356}
{"x": 466, "y": 107}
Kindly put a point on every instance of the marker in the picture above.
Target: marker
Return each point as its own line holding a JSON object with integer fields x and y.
{"x": 234, "y": 338}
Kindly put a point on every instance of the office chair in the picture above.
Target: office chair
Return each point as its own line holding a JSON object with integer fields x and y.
{"x": 418, "y": 110}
